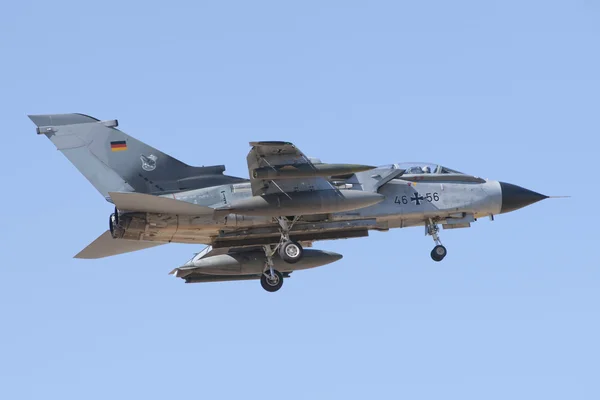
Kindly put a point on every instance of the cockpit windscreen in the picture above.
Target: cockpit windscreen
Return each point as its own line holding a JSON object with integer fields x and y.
{"x": 413, "y": 168}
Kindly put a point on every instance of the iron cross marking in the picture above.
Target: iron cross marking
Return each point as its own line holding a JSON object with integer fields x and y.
{"x": 417, "y": 199}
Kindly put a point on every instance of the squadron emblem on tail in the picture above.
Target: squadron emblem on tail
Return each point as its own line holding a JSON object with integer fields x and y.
{"x": 148, "y": 163}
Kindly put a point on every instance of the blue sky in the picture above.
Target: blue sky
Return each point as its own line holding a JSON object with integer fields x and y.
{"x": 505, "y": 90}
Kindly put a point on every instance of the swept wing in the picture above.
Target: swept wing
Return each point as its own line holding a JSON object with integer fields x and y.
{"x": 281, "y": 156}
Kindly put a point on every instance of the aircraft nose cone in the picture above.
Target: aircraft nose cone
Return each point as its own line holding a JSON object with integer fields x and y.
{"x": 515, "y": 197}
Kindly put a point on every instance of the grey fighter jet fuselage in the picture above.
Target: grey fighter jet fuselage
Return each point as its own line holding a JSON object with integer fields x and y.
{"x": 257, "y": 228}
{"x": 404, "y": 201}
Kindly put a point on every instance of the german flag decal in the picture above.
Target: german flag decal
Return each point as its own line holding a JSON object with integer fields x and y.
{"x": 120, "y": 145}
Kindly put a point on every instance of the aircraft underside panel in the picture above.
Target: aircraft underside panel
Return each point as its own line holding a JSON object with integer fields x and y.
{"x": 204, "y": 229}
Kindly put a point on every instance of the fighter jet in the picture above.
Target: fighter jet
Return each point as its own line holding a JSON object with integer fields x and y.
{"x": 263, "y": 227}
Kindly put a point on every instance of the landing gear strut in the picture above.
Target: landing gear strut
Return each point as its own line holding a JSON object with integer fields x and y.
{"x": 290, "y": 251}
{"x": 271, "y": 279}
{"x": 439, "y": 252}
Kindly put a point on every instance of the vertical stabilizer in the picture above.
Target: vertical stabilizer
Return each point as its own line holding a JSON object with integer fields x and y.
{"x": 115, "y": 162}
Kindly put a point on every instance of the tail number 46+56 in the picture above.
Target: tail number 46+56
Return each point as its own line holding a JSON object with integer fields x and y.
{"x": 418, "y": 198}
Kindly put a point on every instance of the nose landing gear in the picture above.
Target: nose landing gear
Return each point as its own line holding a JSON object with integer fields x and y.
{"x": 439, "y": 251}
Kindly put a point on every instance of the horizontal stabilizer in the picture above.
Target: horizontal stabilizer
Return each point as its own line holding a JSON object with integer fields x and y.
{"x": 106, "y": 246}
{"x": 154, "y": 204}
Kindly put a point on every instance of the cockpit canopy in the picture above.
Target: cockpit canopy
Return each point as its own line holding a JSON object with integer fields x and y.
{"x": 422, "y": 171}
{"x": 414, "y": 168}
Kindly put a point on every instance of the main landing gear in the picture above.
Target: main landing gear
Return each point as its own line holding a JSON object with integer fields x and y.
{"x": 290, "y": 251}
{"x": 439, "y": 252}
{"x": 271, "y": 280}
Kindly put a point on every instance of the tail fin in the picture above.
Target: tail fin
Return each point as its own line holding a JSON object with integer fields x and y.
{"x": 115, "y": 162}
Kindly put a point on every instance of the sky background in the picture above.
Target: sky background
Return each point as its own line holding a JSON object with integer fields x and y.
{"x": 506, "y": 90}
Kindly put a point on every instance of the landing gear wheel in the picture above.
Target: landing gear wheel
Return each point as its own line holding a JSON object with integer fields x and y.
{"x": 291, "y": 252}
{"x": 438, "y": 253}
{"x": 271, "y": 284}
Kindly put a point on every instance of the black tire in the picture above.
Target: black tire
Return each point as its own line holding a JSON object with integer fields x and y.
{"x": 291, "y": 252}
{"x": 438, "y": 253}
{"x": 272, "y": 285}
{"x": 111, "y": 223}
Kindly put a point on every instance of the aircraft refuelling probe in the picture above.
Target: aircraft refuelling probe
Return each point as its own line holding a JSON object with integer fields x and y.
{"x": 257, "y": 228}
